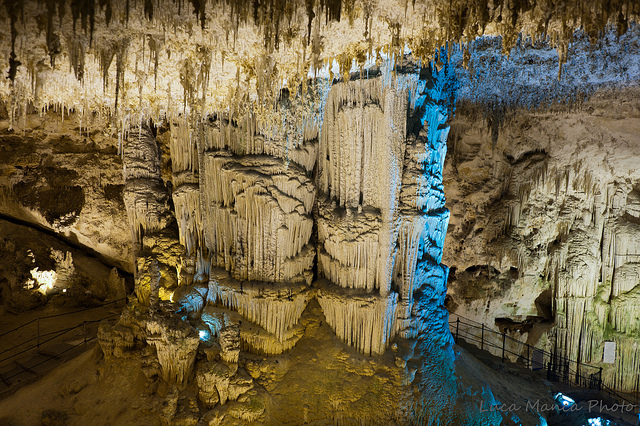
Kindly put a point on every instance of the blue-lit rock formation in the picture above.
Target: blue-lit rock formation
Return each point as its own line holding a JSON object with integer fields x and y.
{"x": 382, "y": 220}
{"x": 245, "y": 205}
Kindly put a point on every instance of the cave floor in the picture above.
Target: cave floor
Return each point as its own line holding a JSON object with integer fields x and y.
{"x": 320, "y": 381}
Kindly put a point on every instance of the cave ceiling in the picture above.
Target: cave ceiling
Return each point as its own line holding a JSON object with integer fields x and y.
{"x": 129, "y": 59}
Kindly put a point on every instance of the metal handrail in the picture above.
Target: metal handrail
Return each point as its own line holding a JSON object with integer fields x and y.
{"x": 485, "y": 329}
{"x": 59, "y": 315}
{"x": 57, "y": 333}
{"x": 84, "y": 342}
{"x": 557, "y": 364}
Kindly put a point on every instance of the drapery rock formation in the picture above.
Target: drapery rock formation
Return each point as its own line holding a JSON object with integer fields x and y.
{"x": 246, "y": 219}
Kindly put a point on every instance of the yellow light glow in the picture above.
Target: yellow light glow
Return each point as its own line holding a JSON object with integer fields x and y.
{"x": 45, "y": 279}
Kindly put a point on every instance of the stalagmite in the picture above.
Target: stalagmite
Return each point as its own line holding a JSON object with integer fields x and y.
{"x": 218, "y": 383}
{"x": 244, "y": 203}
{"x": 148, "y": 282}
{"x": 176, "y": 343}
{"x": 128, "y": 333}
{"x": 116, "y": 287}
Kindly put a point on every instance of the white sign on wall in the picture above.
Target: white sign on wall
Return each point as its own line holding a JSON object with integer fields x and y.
{"x": 609, "y": 353}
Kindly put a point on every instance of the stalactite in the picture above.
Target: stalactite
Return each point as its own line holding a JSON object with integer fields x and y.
{"x": 108, "y": 10}
{"x": 275, "y": 307}
{"x": 84, "y": 9}
{"x": 148, "y": 9}
{"x": 52, "y": 39}
{"x": 362, "y": 320}
{"x": 272, "y": 17}
{"x": 121, "y": 60}
{"x": 76, "y": 56}
{"x": 12, "y": 7}
{"x": 188, "y": 81}
{"x": 106, "y": 54}
{"x": 155, "y": 46}
{"x": 258, "y": 341}
{"x": 61, "y": 11}
{"x": 199, "y": 8}
{"x": 590, "y": 264}
{"x": 363, "y": 132}
{"x": 259, "y": 216}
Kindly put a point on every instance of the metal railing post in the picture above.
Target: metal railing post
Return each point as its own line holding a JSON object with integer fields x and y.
{"x": 549, "y": 370}
{"x": 457, "y": 328}
{"x": 482, "y": 338}
{"x": 600, "y": 379}
{"x": 528, "y": 359}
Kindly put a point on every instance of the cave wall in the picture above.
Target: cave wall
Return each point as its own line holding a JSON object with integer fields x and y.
{"x": 63, "y": 218}
{"x": 543, "y": 234}
{"x": 66, "y": 178}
